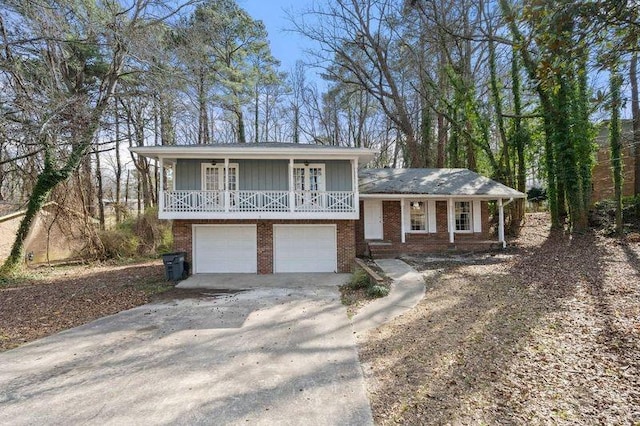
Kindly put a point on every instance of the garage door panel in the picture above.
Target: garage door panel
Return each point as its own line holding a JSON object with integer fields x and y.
{"x": 305, "y": 248}
{"x": 225, "y": 249}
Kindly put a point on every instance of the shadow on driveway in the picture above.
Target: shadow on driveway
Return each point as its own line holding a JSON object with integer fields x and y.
{"x": 266, "y": 356}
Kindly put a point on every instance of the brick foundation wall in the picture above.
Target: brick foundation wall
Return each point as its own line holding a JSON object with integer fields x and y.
{"x": 345, "y": 239}
{"x": 265, "y": 247}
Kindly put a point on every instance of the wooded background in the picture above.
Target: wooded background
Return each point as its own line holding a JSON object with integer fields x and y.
{"x": 513, "y": 89}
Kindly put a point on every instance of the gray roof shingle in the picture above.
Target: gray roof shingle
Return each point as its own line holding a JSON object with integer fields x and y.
{"x": 458, "y": 182}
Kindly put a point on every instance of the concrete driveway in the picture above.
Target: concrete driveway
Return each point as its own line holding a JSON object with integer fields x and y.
{"x": 264, "y": 356}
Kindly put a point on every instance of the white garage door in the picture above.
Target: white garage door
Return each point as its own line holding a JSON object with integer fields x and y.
{"x": 225, "y": 248}
{"x": 304, "y": 248}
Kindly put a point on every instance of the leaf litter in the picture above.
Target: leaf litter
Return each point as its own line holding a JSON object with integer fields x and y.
{"x": 547, "y": 332}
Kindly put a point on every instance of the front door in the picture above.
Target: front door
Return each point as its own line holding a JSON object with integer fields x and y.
{"x": 373, "y": 219}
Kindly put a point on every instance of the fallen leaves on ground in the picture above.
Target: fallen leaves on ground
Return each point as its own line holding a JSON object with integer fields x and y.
{"x": 545, "y": 333}
{"x": 64, "y": 297}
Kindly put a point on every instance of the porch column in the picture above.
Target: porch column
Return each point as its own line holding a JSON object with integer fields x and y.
{"x": 451, "y": 219}
{"x": 227, "y": 199}
{"x": 355, "y": 198}
{"x": 161, "y": 187}
{"x": 292, "y": 197}
{"x": 501, "y": 223}
{"x": 402, "y": 224}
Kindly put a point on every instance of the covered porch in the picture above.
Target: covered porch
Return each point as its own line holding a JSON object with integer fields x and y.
{"x": 431, "y": 210}
{"x": 257, "y": 181}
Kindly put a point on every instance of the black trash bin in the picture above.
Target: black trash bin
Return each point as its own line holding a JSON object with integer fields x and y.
{"x": 174, "y": 266}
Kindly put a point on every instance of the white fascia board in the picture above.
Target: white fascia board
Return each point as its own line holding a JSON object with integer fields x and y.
{"x": 438, "y": 196}
{"x": 363, "y": 154}
{"x": 259, "y": 215}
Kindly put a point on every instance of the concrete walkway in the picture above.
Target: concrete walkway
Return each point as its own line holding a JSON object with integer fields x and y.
{"x": 260, "y": 357}
{"x": 406, "y": 291}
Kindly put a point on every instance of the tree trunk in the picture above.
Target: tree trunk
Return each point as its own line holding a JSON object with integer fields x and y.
{"x": 442, "y": 141}
{"x": 118, "y": 171}
{"x": 425, "y": 133}
{"x": 616, "y": 148}
{"x": 582, "y": 131}
{"x": 256, "y": 116}
{"x": 521, "y": 137}
{"x": 567, "y": 160}
{"x": 203, "y": 116}
{"x": 635, "y": 114}
{"x": 100, "y": 192}
{"x": 240, "y": 117}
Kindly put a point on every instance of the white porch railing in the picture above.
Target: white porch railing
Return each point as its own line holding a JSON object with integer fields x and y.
{"x": 259, "y": 201}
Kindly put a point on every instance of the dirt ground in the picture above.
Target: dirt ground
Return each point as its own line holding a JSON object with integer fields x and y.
{"x": 547, "y": 332}
{"x": 49, "y": 300}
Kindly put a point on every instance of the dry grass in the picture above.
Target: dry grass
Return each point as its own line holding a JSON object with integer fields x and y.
{"x": 548, "y": 334}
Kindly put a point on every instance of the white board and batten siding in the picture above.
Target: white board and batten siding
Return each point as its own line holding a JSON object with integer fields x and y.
{"x": 225, "y": 249}
{"x": 304, "y": 248}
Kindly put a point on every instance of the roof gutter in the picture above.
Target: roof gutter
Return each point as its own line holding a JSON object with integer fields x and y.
{"x": 441, "y": 196}
{"x": 208, "y": 152}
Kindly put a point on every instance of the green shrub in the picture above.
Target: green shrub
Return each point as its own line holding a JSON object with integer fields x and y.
{"x": 377, "y": 291}
{"x": 359, "y": 279}
{"x": 145, "y": 235}
{"x": 119, "y": 243}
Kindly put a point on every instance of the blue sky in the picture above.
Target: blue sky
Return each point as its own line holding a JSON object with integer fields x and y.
{"x": 286, "y": 46}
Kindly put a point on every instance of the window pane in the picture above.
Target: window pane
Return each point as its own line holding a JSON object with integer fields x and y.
{"x": 315, "y": 179}
{"x": 298, "y": 178}
{"x": 463, "y": 216}
{"x": 211, "y": 181}
{"x": 418, "y": 216}
{"x": 233, "y": 179}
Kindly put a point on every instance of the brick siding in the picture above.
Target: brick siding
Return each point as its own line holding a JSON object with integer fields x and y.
{"x": 345, "y": 239}
{"x": 423, "y": 242}
{"x": 602, "y": 177}
{"x": 391, "y": 221}
{"x": 361, "y": 245}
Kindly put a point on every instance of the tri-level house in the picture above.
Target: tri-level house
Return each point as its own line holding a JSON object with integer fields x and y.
{"x": 279, "y": 207}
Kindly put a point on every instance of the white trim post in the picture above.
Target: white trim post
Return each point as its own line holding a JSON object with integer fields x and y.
{"x": 354, "y": 186}
{"x": 161, "y": 189}
{"x": 227, "y": 199}
{"x": 451, "y": 219}
{"x": 501, "y": 223}
{"x": 402, "y": 220}
{"x": 292, "y": 197}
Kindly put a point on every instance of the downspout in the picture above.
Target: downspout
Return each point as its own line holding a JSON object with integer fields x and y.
{"x": 501, "y": 221}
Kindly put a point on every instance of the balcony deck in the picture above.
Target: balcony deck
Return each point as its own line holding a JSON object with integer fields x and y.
{"x": 258, "y": 205}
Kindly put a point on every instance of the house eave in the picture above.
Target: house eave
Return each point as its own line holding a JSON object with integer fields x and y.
{"x": 398, "y": 196}
{"x": 303, "y": 152}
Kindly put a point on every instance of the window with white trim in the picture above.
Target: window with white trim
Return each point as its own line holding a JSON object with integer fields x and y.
{"x": 418, "y": 216}
{"x": 213, "y": 177}
{"x": 308, "y": 177}
{"x": 308, "y": 182}
{"x": 463, "y": 216}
